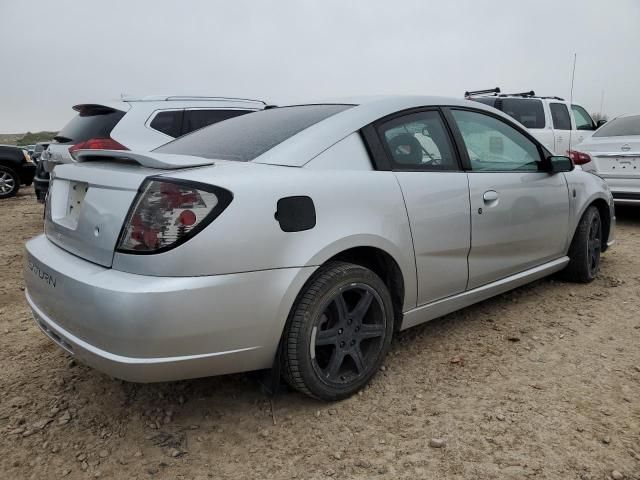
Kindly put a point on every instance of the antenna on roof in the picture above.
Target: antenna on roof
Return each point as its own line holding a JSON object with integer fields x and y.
{"x": 573, "y": 76}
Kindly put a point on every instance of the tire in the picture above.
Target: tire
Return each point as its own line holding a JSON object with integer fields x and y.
{"x": 9, "y": 182}
{"x": 338, "y": 332}
{"x": 584, "y": 253}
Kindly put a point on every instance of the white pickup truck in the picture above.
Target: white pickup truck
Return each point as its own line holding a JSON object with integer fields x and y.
{"x": 556, "y": 123}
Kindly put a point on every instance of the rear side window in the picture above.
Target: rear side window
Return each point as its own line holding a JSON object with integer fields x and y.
{"x": 197, "y": 119}
{"x": 560, "y": 116}
{"x": 418, "y": 141}
{"x": 95, "y": 121}
{"x": 246, "y": 137}
{"x": 168, "y": 122}
{"x": 620, "y": 127}
{"x": 583, "y": 119}
{"x": 528, "y": 111}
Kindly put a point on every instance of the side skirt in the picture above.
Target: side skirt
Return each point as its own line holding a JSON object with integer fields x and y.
{"x": 436, "y": 309}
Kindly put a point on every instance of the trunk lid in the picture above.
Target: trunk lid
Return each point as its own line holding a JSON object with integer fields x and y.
{"x": 88, "y": 201}
{"x": 617, "y": 156}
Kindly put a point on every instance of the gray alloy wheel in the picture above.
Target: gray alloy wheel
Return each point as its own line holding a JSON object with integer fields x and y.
{"x": 9, "y": 183}
{"x": 339, "y": 332}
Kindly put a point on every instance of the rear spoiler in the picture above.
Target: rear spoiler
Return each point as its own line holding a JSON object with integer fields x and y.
{"x": 164, "y": 161}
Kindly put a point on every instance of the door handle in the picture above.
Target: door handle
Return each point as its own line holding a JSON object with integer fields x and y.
{"x": 560, "y": 139}
{"x": 490, "y": 196}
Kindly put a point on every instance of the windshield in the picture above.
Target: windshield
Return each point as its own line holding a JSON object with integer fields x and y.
{"x": 247, "y": 137}
{"x": 620, "y": 127}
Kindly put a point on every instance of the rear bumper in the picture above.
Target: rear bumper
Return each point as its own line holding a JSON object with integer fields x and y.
{"x": 626, "y": 191}
{"x": 41, "y": 182}
{"x": 27, "y": 172}
{"x": 147, "y": 329}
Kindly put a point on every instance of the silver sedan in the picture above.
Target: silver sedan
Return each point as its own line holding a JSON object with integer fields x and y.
{"x": 304, "y": 236}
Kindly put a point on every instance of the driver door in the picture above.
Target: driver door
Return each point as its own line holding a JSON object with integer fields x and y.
{"x": 519, "y": 213}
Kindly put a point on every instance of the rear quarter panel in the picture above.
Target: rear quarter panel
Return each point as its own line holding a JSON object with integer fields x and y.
{"x": 353, "y": 208}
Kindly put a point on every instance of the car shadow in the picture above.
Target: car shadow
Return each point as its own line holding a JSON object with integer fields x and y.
{"x": 213, "y": 397}
{"x": 628, "y": 215}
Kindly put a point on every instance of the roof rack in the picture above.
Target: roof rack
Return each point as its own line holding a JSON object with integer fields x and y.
{"x": 185, "y": 98}
{"x": 495, "y": 92}
{"x": 234, "y": 99}
{"x": 529, "y": 94}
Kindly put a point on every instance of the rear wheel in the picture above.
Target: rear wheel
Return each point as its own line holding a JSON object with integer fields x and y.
{"x": 338, "y": 333}
{"x": 9, "y": 182}
{"x": 584, "y": 253}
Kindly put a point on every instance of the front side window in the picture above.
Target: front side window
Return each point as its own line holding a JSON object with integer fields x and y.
{"x": 560, "y": 116}
{"x": 528, "y": 111}
{"x": 494, "y": 146}
{"x": 418, "y": 141}
{"x": 168, "y": 122}
{"x": 583, "y": 119}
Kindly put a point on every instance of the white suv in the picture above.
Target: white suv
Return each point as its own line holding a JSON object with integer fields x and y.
{"x": 140, "y": 124}
{"x": 556, "y": 123}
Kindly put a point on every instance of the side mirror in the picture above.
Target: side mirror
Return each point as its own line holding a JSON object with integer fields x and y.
{"x": 600, "y": 123}
{"x": 559, "y": 164}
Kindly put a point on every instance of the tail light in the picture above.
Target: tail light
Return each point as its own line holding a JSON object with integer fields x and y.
{"x": 97, "y": 144}
{"x": 168, "y": 212}
{"x": 579, "y": 158}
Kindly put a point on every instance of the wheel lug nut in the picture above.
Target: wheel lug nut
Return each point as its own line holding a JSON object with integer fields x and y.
{"x": 341, "y": 344}
{"x": 339, "y": 331}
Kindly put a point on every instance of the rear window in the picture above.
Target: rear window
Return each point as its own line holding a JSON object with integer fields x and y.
{"x": 246, "y": 137}
{"x": 620, "y": 127}
{"x": 528, "y": 111}
{"x": 491, "y": 101}
{"x": 92, "y": 122}
{"x": 197, "y": 119}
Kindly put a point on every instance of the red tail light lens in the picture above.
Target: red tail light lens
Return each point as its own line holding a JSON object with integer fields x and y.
{"x": 168, "y": 212}
{"x": 97, "y": 144}
{"x": 579, "y": 158}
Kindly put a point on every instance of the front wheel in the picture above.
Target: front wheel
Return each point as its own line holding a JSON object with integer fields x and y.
{"x": 9, "y": 182}
{"x": 338, "y": 333}
{"x": 584, "y": 253}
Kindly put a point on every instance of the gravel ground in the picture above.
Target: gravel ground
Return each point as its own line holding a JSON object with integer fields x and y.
{"x": 542, "y": 382}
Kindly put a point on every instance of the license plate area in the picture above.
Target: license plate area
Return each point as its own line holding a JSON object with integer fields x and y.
{"x": 620, "y": 165}
{"x": 67, "y": 198}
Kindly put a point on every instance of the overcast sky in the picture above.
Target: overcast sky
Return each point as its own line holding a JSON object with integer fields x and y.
{"x": 57, "y": 53}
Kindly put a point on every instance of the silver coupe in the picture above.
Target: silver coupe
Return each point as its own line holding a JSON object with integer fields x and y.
{"x": 305, "y": 235}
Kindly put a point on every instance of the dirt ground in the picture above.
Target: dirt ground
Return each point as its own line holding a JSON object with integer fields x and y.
{"x": 542, "y": 382}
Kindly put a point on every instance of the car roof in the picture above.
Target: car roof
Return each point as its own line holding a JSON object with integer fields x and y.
{"x": 312, "y": 141}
